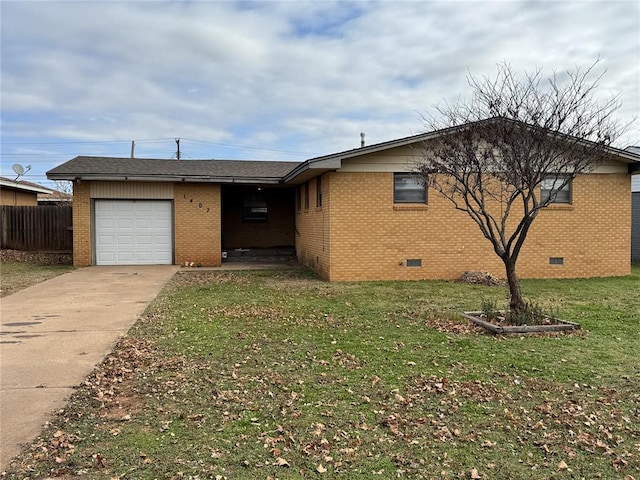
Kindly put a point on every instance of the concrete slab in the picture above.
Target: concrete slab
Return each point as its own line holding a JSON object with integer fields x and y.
{"x": 53, "y": 334}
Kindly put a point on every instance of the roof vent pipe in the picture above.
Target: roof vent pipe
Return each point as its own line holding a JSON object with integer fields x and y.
{"x": 361, "y": 139}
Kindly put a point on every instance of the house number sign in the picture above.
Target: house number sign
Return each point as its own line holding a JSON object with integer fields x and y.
{"x": 198, "y": 204}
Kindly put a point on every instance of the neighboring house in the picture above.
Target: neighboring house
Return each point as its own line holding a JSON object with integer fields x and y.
{"x": 353, "y": 215}
{"x": 55, "y": 198}
{"x": 20, "y": 193}
{"x": 635, "y": 212}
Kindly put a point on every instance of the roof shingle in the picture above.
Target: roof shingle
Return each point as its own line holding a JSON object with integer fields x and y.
{"x": 145, "y": 167}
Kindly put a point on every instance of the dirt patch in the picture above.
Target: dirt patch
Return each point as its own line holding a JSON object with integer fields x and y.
{"x": 41, "y": 258}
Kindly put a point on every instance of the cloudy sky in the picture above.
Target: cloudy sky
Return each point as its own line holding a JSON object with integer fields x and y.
{"x": 276, "y": 80}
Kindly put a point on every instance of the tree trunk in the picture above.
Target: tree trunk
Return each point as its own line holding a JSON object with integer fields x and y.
{"x": 516, "y": 303}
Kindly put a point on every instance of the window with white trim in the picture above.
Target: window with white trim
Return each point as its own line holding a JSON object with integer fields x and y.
{"x": 552, "y": 186}
{"x": 409, "y": 188}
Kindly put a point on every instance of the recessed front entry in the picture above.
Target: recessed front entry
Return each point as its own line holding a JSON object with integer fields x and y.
{"x": 133, "y": 232}
{"x": 257, "y": 218}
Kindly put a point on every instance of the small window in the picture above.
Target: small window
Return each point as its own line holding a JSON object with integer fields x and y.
{"x": 306, "y": 196}
{"x": 414, "y": 262}
{"x": 551, "y": 186}
{"x": 319, "y": 192}
{"x": 556, "y": 260}
{"x": 255, "y": 208}
{"x": 409, "y": 188}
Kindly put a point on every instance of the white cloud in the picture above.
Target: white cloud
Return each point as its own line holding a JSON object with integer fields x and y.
{"x": 294, "y": 76}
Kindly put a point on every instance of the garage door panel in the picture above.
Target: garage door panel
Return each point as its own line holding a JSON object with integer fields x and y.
{"x": 160, "y": 240}
{"x": 124, "y": 258}
{"x": 106, "y": 258}
{"x": 125, "y": 223}
{"x": 144, "y": 240}
{"x": 124, "y": 206}
{"x": 105, "y": 207}
{"x": 104, "y": 240}
{"x": 144, "y": 223}
{"x": 105, "y": 222}
{"x": 133, "y": 232}
{"x": 145, "y": 257}
{"x": 162, "y": 260}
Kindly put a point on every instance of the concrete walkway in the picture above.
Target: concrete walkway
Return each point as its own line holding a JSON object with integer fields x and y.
{"x": 53, "y": 334}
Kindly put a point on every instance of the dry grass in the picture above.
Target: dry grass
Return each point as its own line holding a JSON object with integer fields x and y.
{"x": 20, "y": 270}
{"x": 279, "y": 375}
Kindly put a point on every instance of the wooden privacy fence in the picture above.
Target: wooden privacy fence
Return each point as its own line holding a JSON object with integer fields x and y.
{"x": 41, "y": 228}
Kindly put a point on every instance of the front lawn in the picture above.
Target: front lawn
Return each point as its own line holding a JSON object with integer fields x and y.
{"x": 275, "y": 374}
{"x": 16, "y": 276}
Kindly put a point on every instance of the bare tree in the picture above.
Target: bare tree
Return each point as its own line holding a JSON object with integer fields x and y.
{"x": 63, "y": 186}
{"x": 495, "y": 151}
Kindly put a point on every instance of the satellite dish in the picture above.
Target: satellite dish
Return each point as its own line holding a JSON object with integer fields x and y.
{"x": 20, "y": 170}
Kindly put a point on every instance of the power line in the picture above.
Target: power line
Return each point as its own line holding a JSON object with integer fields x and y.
{"x": 148, "y": 140}
{"x": 247, "y": 148}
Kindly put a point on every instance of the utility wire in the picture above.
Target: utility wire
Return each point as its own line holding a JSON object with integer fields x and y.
{"x": 158, "y": 140}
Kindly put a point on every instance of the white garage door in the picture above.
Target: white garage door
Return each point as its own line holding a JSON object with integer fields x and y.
{"x": 133, "y": 232}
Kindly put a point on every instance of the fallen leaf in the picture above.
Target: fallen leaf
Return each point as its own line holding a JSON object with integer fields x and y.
{"x": 562, "y": 465}
{"x": 281, "y": 462}
{"x": 320, "y": 469}
{"x": 99, "y": 460}
{"x": 474, "y": 474}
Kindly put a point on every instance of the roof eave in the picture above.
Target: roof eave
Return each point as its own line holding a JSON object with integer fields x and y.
{"x": 22, "y": 187}
{"x": 163, "y": 178}
{"x": 309, "y": 169}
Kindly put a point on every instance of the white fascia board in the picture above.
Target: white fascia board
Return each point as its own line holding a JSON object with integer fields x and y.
{"x": 312, "y": 168}
{"x": 22, "y": 186}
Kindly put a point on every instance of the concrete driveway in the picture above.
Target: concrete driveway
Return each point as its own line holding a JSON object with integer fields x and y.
{"x": 53, "y": 334}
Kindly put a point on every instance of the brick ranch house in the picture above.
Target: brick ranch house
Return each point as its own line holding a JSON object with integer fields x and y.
{"x": 352, "y": 215}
